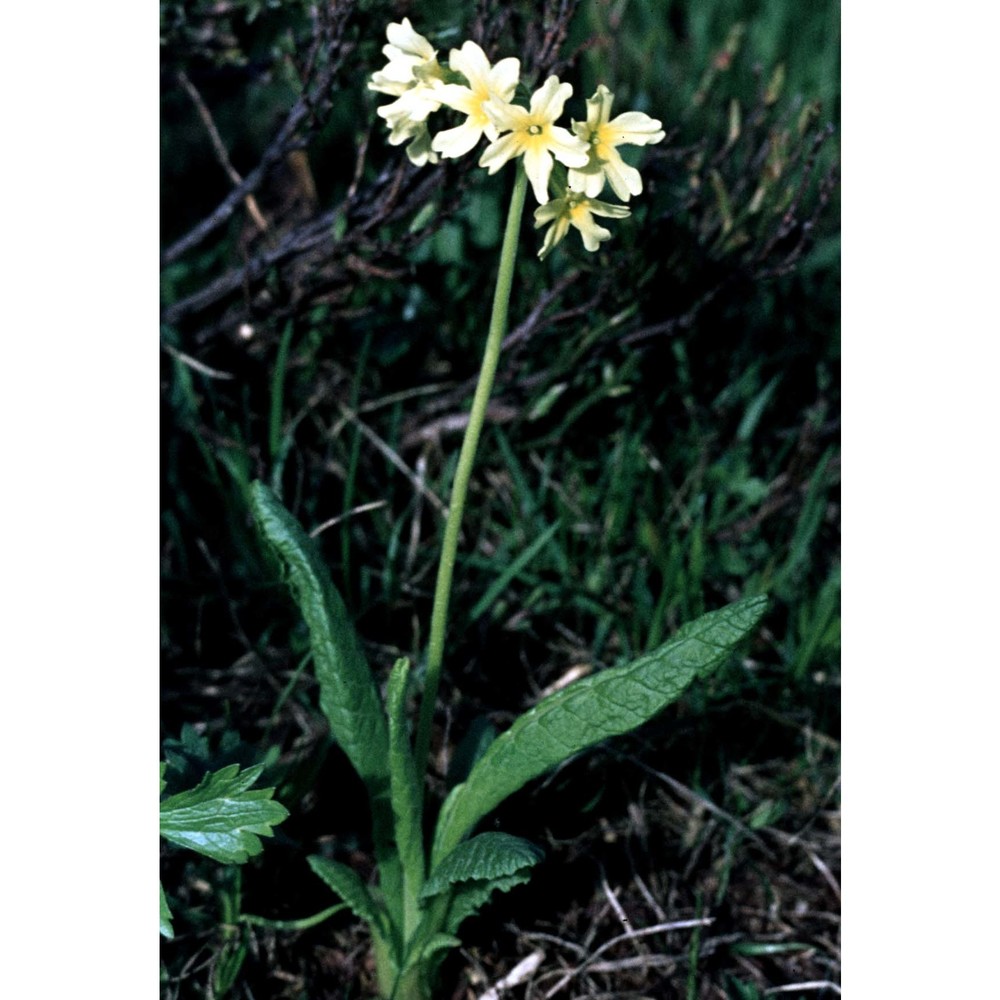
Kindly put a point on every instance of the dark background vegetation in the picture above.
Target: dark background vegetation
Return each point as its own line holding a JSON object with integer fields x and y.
{"x": 663, "y": 438}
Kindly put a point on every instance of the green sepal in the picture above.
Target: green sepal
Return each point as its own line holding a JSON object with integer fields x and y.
{"x": 486, "y": 857}
{"x": 600, "y": 706}
{"x": 221, "y": 818}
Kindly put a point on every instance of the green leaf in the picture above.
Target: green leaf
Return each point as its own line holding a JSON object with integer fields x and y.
{"x": 605, "y": 704}
{"x": 446, "y": 913}
{"x": 166, "y": 924}
{"x": 347, "y": 884}
{"x": 347, "y": 692}
{"x": 348, "y": 696}
{"x": 469, "y": 897}
{"x": 474, "y": 743}
{"x": 431, "y": 952}
{"x": 221, "y": 818}
{"x": 488, "y": 856}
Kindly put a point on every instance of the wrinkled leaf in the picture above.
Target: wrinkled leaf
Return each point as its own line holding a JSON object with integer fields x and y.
{"x": 348, "y": 696}
{"x": 469, "y": 897}
{"x": 602, "y": 705}
{"x": 488, "y": 856}
{"x": 347, "y": 692}
{"x": 221, "y": 818}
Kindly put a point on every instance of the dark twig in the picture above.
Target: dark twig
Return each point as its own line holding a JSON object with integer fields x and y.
{"x": 222, "y": 154}
{"x": 285, "y": 140}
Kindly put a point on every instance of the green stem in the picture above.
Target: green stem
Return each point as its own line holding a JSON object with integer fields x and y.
{"x": 460, "y": 487}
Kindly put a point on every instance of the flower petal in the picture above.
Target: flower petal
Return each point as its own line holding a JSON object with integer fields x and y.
{"x": 593, "y": 234}
{"x": 608, "y": 210}
{"x": 504, "y": 77}
{"x": 457, "y": 141}
{"x": 599, "y": 107}
{"x": 403, "y": 37}
{"x": 547, "y": 102}
{"x": 538, "y": 167}
{"x": 624, "y": 180}
{"x": 589, "y": 181}
{"x": 458, "y": 98}
{"x": 506, "y": 117}
{"x": 470, "y": 60}
{"x": 566, "y": 147}
{"x": 635, "y": 128}
{"x": 499, "y": 152}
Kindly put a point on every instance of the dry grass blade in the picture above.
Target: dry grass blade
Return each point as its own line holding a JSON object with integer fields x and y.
{"x": 631, "y": 935}
{"x": 522, "y": 971}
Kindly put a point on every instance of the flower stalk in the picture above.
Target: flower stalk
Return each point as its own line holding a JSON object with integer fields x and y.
{"x": 463, "y": 473}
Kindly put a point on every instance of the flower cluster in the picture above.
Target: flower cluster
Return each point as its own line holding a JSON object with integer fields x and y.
{"x": 484, "y": 94}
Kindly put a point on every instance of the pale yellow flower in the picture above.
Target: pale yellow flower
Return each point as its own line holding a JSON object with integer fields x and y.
{"x": 485, "y": 83}
{"x": 532, "y": 132}
{"x": 418, "y": 137}
{"x": 577, "y": 210}
{"x": 413, "y": 76}
{"x": 412, "y": 59}
{"x": 602, "y": 136}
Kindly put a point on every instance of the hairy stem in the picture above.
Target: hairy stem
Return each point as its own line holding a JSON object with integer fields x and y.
{"x": 460, "y": 487}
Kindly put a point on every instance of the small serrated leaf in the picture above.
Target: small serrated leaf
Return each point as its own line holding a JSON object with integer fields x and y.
{"x": 470, "y": 896}
{"x": 347, "y": 884}
{"x": 486, "y": 857}
{"x": 221, "y": 818}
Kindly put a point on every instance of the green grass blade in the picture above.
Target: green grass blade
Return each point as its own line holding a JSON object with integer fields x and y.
{"x": 500, "y": 584}
{"x": 606, "y": 704}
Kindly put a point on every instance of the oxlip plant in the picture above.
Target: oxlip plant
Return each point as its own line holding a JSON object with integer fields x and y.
{"x": 427, "y": 887}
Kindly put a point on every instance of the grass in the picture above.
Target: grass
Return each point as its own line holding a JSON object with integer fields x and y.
{"x": 663, "y": 437}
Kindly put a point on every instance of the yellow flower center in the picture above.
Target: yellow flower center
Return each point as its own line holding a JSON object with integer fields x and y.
{"x": 602, "y": 139}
